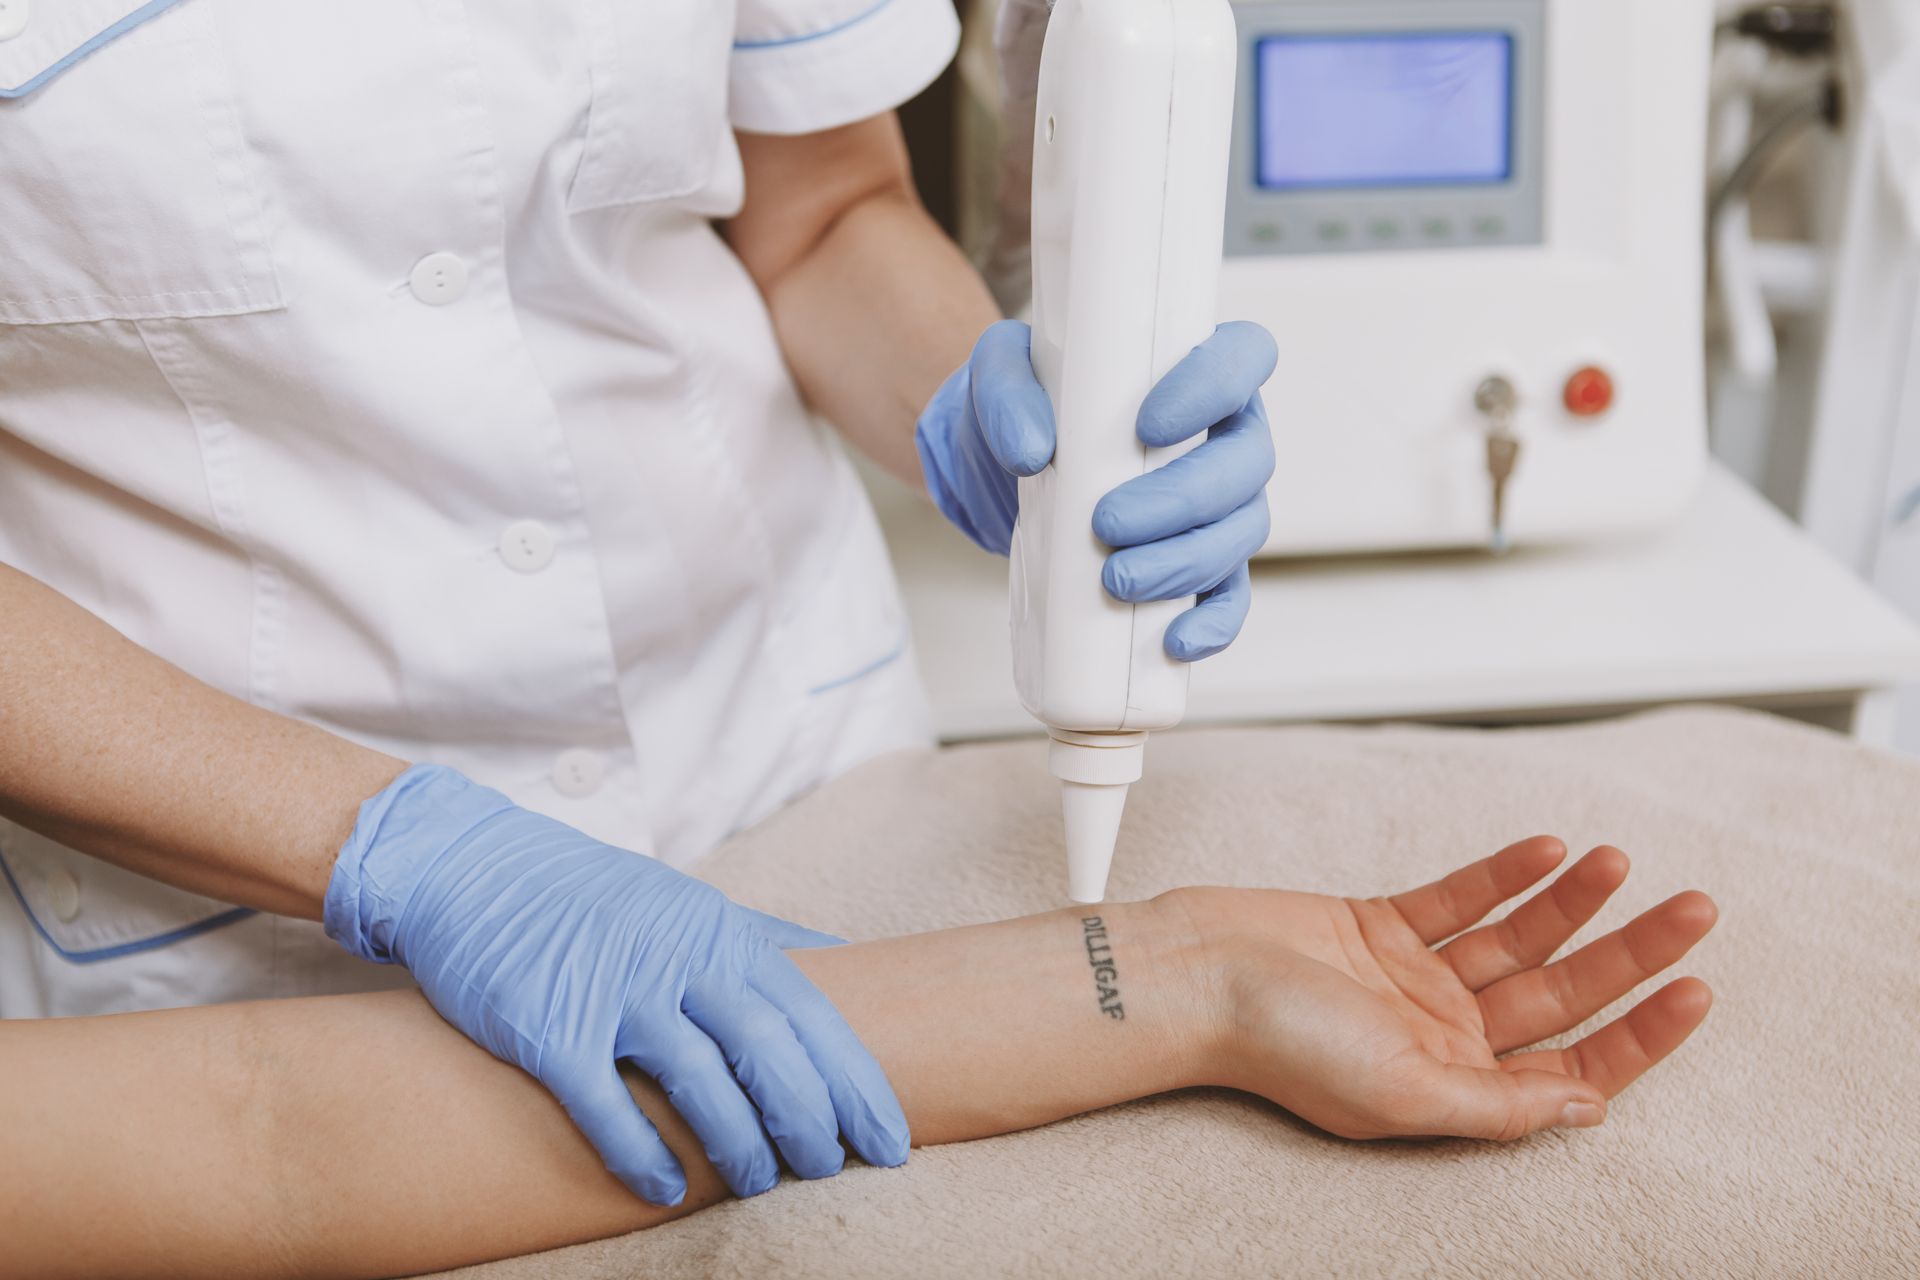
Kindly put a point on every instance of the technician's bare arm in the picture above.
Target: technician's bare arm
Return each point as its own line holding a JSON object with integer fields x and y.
{"x": 873, "y": 303}
{"x": 111, "y": 750}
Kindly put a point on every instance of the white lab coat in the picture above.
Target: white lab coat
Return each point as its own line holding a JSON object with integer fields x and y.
{"x": 378, "y": 363}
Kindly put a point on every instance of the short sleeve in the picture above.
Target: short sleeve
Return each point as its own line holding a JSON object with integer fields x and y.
{"x": 800, "y": 66}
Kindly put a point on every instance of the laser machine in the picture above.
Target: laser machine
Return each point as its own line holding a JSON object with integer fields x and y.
{"x": 1474, "y": 228}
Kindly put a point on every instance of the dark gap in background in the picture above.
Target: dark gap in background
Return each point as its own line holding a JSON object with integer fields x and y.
{"x": 930, "y": 123}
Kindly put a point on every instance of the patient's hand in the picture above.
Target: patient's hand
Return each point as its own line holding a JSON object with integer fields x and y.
{"x": 1350, "y": 1013}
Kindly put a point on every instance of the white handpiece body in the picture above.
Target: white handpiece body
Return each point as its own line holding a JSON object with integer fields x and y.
{"x": 1131, "y": 137}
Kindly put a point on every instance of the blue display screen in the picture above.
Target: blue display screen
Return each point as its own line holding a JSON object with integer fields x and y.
{"x": 1400, "y": 110}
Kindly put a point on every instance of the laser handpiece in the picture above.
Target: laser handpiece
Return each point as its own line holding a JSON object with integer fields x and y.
{"x": 1131, "y": 135}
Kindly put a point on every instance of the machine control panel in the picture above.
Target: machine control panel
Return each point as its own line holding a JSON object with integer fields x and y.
{"x": 1395, "y": 124}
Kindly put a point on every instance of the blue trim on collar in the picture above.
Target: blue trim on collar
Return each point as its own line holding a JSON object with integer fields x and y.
{"x": 152, "y": 9}
{"x": 98, "y": 954}
{"x": 821, "y": 34}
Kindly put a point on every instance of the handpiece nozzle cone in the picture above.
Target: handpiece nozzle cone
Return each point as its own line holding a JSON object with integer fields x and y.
{"x": 1091, "y": 812}
{"x": 1094, "y": 770}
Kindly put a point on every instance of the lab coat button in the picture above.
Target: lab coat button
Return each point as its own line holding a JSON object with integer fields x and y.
{"x": 527, "y": 546}
{"x": 438, "y": 278}
{"x": 578, "y": 772}
{"x": 13, "y": 17}
{"x": 63, "y": 894}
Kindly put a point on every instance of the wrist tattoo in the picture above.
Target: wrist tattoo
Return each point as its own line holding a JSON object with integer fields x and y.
{"x": 1106, "y": 978}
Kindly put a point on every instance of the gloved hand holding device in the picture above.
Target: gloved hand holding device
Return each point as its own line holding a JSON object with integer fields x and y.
{"x": 1187, "y": 528}
{"x": 564, "y": 955}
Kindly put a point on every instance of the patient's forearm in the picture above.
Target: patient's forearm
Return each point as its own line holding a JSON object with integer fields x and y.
{"x": 361, "y": 1135}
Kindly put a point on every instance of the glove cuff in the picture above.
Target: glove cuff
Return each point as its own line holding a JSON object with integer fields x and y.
{"x": 400, "y": 834}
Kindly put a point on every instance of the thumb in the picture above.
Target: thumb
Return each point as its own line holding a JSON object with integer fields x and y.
{"x": 631, "y": 1148}
{"x": 1013, "y": 409}
{"x": 1476, "y": 1102}
{"x": 788, "y": 936}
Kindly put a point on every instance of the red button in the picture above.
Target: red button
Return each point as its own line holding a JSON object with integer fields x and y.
{"x": 1589, "y": 392}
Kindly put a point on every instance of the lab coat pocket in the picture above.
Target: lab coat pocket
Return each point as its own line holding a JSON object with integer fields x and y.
{"x": 88, "y": 911}
{"x": 657, "y": 127}
{"x": 126, "y": 190}
{"x": 853, "y": 652}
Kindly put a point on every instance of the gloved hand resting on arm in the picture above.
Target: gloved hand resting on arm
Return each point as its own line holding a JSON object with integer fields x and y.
{"x": 564, "y": 956}
{"x": 1187, "y": 528}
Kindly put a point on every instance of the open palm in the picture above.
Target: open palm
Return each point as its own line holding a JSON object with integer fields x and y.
{"x": 1358, "y": 1015}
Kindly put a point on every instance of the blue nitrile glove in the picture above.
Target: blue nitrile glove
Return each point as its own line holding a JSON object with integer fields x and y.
{"x": 563, "y": 956}
{"x": 1184, "y": 529}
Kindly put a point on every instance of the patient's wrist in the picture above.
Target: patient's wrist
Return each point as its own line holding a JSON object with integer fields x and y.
{"x": 1188, "y": 987}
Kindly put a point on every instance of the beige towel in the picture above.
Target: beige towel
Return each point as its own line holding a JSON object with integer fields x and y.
{"x": 1782, "y": 1141}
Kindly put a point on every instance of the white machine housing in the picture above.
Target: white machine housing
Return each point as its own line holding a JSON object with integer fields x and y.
{"x": 1131, "y": 137}
{"x": 1391, "y": 301}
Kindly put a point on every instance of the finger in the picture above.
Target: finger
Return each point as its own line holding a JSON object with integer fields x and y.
{"x": 1541, "y": 925}
{"x": 1487, "y": 1102}
{"x": 1451, "y": 903}
{"x": 863, "y": 1101}
{"x": 1188, "y": 563}
{"x": 788, "y": 936}
{"x": 1211, "y": 625}
{"x": 1625, "y": 1049}
{"x": 1012, "y": 407}
{"x": 1210, "y": 382}
{"x": 767, "y": 1060}
{"x": 1199, "y": 487}
{"x": 629, "y": 1145}
{"x": 1543, "y": 1002}
{"x": 689, "y": 1067}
